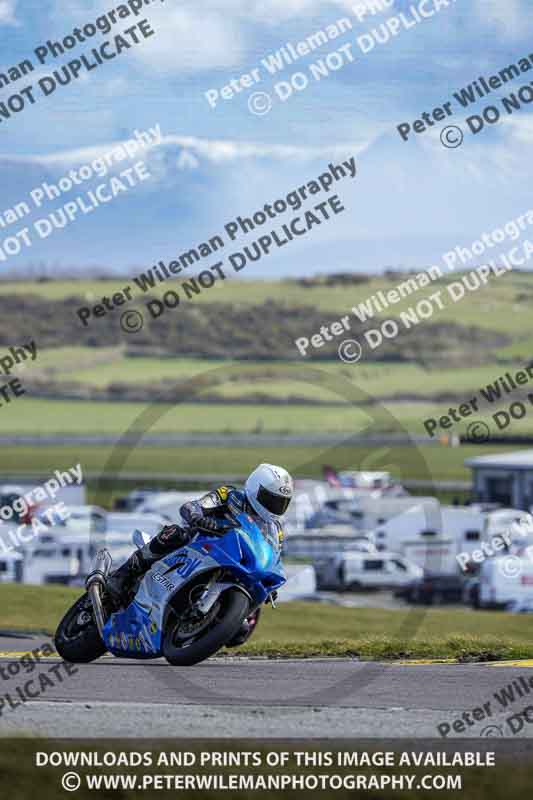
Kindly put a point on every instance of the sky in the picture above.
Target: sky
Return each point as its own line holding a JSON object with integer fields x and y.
{"x": 410, "y": 202}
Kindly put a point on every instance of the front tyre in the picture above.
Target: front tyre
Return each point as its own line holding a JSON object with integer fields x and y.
{"x": 183, "y": 649}
{"x": 77, "y": 639}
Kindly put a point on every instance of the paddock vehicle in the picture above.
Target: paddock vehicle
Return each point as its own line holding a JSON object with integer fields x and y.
{"x": 503, "y": 581}
{"x": 355, "y": 570}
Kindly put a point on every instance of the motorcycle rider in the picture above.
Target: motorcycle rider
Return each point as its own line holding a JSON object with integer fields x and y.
{"x": 268, "y": 491}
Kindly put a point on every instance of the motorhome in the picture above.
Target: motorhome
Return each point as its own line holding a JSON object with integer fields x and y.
{"x": 57, "y": 557}
{"x": 416, "y": 523}
{"x": 366, "y": 513}
{"x": 86, "y": 518}
{"x": 66, "y": 557}
{"x": 319, "y": 544}
{"x": 126, "y": 522}
{"x": 376, "y": 483}
{"x": 432, "y": 537}
{"x": 507, "y": 519}
{"x": 94, "y": 519}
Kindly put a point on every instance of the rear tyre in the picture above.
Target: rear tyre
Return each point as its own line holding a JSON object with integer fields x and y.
{"x": 180, "y": 651}
{"x": 77, "y": 639}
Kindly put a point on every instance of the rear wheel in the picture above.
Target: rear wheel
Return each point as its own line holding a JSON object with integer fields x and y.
{"x": 77, "y": 639}
{"x": 189, "y": 639}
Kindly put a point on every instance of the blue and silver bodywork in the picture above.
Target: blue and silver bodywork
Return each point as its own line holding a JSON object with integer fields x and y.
{"x": 245, "y": 557}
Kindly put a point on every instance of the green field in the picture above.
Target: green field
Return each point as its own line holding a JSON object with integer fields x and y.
{"x": 64, "y": 416}
{"x": 40, "y": 417}
{"x": 253, "y": 397}
{"x": 101, "y": 367}
{"x": 405, "y": 463}
{"x": 502, "y": 305}
{"x": 304, "y": 629}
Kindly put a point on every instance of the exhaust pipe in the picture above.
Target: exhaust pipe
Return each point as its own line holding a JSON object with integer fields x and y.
{"x": 95, "y": 582}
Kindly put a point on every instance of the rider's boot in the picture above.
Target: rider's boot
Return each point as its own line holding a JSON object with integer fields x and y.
{"x": 168, "y": 539}
{"x": 121, "y": 580}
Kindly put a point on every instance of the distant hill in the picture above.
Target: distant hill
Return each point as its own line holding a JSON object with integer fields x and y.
{"x": 262, "y": 332}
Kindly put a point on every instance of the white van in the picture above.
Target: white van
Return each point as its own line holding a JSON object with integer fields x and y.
{"x": 504, "y": 580}
{"x": 354, "y": 570}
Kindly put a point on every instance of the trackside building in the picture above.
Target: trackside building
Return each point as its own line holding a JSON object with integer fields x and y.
{"x": 505, "y": 479}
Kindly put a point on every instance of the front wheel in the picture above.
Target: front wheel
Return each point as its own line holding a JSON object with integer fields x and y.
{"x": 187, "y": 641}
{"x": 77, "y": 639}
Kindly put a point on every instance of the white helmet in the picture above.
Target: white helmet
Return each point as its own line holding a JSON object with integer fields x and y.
{"x": 269, "y": 491}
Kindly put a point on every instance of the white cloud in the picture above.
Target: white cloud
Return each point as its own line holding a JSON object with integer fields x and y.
{"x": 509, "y": 13}
{"x": 275, "y": 11}
{"x": 208, "y": 35}
{"x": 7, "y": 12}
{"x": 221, "y": 151}
{"x": 191, "y": 39}
{"x": 215, "y": 151}
{"x": 520, "y": 128}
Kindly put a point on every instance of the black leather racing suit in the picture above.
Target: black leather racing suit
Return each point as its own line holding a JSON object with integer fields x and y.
{"x": 214, "y": 513}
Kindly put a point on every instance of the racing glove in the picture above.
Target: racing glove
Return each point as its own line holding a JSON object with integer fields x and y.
{"x": 210, "y": 524}
{"x": 168, "y": 538}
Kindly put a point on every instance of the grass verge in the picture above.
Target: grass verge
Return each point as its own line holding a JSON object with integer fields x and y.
{"x": 303, "y": 630}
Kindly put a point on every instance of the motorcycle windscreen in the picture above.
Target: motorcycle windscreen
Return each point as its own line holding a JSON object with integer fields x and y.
{"x": 257, "y": 546}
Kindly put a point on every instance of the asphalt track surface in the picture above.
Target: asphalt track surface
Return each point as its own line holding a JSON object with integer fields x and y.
{"x": 320, "y": 698}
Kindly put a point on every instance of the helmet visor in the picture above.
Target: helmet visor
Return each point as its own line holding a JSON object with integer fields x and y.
{"x": 274, "y": 503}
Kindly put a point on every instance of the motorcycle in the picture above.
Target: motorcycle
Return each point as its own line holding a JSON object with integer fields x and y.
{"x": 188, "y": 606}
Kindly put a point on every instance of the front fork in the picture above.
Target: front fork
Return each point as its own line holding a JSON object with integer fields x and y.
{"x": 214, "y": 589}
{"x": 95, "y": 582}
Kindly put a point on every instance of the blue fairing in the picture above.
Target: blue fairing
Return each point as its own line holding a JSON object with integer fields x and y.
{"x": 249, "y": 558}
